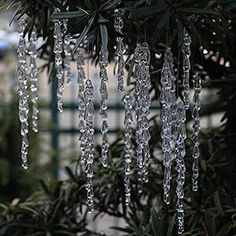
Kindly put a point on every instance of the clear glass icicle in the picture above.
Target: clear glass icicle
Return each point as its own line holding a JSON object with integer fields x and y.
{"x": 23, "y": 94}
{"x": 81, "y": 100}
{"x": 33, "y": 73}
{"x": 186, "y": 51}
{"x": 90, "y": 142}
{"x": 127, "y": 100}
{"x": 168, "y": 116}
{"x": 180, "y": 162}
{"x": 196, "y": 128}
{"x": 142, "y": 105}
{"x": 118, "y": 25}
{"x": 67, "y": 51}
{"x": 103, "y": 62}
{"x": 58, "y": 50}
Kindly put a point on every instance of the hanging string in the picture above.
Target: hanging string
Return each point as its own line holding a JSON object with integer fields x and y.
{"x": 23, "y": 94}
{"x": 168, "y": 115}
{"x": 196, "y": 129}
{"x": 142, "y": 105}
{"x": 186, "y": 51}
{"x": 32, "y": 50}
{"x": 118, "y": 25}
{"x": 58, "y": 50}
{"x": 103, "y": 62}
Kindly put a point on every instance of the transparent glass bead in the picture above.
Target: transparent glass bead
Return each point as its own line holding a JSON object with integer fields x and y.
{"x": 103, "y": 62}
{"x": 23, "y": 91}
{"x": 142, "y": 105}
{"x": 186, "y": 51}
{"x": 196, "y": 129}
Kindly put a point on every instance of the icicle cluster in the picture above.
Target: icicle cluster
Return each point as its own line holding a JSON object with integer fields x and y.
{"x": 32, "y": 50}
{"x": 168, "y": 117}
{"x": 23, "y": 94}
{"x": 180, "y": 162}
{"x": 67, "y": 51}
{"x": 58, "y": 50}
{"x": 196, "y": 128}
{"x": 142, "y": 104}
{"x": 186, "y": 50}
{"x": 118, "y": 25}
{"x": 90, "y": 142}
{"x": 103, "y": 62}
{"x": 81, "y": 99}
{"x": 127, "y": 100}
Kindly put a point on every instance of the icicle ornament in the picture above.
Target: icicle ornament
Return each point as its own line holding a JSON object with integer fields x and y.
{"x": 23, "y": 93}
{"x": 67, "y": 51}
{"x": 186, "y": 51}
{"x": 127, "y": 100}
{"x": 81, "y": 100}
{"x": 168, "y": 115}
{"x": 32, "y": 50}
{"x": 90, "y": 142}
{"x": 180, "y": 163}
{"x": 103, "y": 62}
{"x": 118, "y": 25}
{"x": 58, "y": 50}
{"x": 142, "y": 105}
{"x": 196, "y": 129}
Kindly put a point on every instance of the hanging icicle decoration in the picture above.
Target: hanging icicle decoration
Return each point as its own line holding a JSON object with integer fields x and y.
{"x": 103, "y": 62}
{"x": 142, "y": 105}
{"x": 196, "y": 128}
{"x": 186, "y": 50}
{"x": 58, "y": 50}
{"x": 127, "y": 100}
{"x": 67, "y": 51}
{"x": 118, "y": 25}
{"x": 168, "y": 114}
{"x": 23, "y": 94}
{"x": 90, "y": 142}
{"x": 180, "y": 163}
{"x": 32, "y": 50}
{"x": 81, "y": 99}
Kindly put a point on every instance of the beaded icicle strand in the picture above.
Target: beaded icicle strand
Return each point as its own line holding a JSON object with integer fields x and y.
{"x": 103, "y": 62}
{"x": 196, "y": 128}
{"x": 186, "y": 51}
{"x": 67, "y": 51}
{"x": 32, "y": 50}
{"x": 118, "y": 25}
{"x": 90, "y": 142}
{"x": 23, "y": 94}
{"x": 167, "y": 100}
{"x": 180, "y": 162}
{"x": 58, "y": 50}
{"x": 81, "y": 100}
{"x": 142, "y": 105}
{"x": 127, "y": 100}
